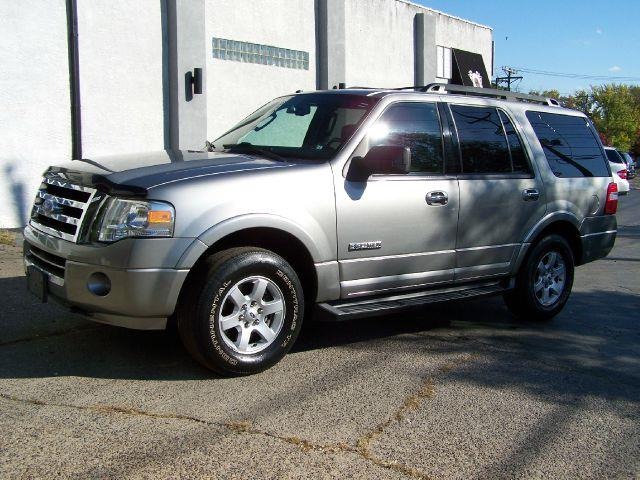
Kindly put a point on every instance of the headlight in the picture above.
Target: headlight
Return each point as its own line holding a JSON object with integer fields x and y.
{"x": 135, "y": 218}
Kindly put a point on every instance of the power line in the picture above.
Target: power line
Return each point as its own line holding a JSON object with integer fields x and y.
{"x": 509, "y": 79}
{"x": 578, "y": 76}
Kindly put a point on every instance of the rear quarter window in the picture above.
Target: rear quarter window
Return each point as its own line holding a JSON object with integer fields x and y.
{"x": 570, "y": 145}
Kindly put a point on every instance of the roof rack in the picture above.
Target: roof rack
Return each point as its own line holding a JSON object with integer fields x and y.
{"x": 486, "y": 92}
{"x": 472, "y": 91}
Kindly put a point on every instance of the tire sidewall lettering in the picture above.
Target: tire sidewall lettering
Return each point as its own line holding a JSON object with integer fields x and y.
{"x": 294, "y": 303}
{"x": 213, "y": 334}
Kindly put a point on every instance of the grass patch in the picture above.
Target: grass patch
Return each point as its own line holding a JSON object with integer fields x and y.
{"x": 7, "y": 237}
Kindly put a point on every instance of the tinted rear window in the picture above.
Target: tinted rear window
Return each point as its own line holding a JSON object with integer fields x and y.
{"x": 483, "y": 143}
{"x": 518, "y": 158}
{"x": 489, "y": 143}
{"x": 571, "y": 148}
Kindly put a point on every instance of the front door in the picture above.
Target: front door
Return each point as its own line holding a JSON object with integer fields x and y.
{"x": 398, "y": 232}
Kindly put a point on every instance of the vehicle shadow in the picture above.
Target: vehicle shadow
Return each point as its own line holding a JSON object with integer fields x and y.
{"x": 585, "y": 355}
{"x": 585, "y": 339}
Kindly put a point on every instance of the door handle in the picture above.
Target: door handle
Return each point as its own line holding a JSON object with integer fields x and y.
{"x": 437, "y": 197}
{"x": 530, "y": 195}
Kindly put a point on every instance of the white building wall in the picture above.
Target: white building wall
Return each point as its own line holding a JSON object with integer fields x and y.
{"x": 236, "y": 89}
{"x": 379, "y": 43}
{"x": 34, "y": 100}
{"x": 455, "y": 33}
{"x": 120, "y": 56}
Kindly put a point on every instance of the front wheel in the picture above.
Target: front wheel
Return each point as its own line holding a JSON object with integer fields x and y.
{"x": 242, "y": 311}
{"x": 544, "y": 282}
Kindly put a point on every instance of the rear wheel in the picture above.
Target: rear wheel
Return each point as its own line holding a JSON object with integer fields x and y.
{"x": 242, "y": 311}
{"x": 544, "y": 282}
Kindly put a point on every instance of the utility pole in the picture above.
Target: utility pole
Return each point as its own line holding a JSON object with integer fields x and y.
{"x": 509, "y": 79}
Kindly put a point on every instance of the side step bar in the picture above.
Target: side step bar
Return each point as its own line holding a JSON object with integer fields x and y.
{"x": 351, "y": 309}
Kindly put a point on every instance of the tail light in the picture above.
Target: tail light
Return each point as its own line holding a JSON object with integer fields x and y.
{"x": 611, "y": 204}
{"x": 622, "y": 174}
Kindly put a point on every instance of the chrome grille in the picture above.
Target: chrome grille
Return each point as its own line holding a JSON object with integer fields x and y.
{"x": 60, "y": 207}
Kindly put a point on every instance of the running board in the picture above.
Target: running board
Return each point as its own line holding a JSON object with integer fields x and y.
{"x": 351, "y": 309}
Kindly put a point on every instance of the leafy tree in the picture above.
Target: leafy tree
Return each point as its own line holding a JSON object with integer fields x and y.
{"x": 581, "y": 100}
{"x": 616, "y": 114}
{"x": 546, "y": 93}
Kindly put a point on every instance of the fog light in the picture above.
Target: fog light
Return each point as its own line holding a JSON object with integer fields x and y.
{"x": 99, "y": 284}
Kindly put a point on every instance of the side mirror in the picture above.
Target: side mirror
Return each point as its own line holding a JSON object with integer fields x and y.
{"x": 383, "y": 160}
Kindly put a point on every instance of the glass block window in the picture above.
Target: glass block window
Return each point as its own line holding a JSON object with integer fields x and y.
{"x": 236, "y": 51}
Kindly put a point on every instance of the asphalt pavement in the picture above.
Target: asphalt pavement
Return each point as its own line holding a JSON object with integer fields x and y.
{"x": 459, "y": 390}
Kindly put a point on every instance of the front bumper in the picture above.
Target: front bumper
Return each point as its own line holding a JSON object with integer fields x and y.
{"x": 139, "y": 297}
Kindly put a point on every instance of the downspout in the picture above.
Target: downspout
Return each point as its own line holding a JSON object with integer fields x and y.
{"x": 74, "y": 79}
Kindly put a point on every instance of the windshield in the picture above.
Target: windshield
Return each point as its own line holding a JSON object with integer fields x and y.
{"x": 310, "y": 126}
{"x": 614, "y": 156}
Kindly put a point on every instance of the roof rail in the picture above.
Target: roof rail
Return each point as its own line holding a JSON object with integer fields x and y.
{"x": 472, "y": 91}
{"x": 488, "y": 93}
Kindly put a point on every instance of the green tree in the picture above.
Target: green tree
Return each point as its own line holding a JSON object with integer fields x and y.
{"x": 616, "y": 114}
{"x": 635, "y": 148}
{"x": 546, "y": 93}
{"x": 581, "y": 100}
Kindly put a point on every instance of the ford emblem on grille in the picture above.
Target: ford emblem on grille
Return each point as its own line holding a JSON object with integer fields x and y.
{"x": 49, "y": 206}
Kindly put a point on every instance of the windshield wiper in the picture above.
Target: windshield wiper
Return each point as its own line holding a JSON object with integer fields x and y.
{"x": 246, "y": 147}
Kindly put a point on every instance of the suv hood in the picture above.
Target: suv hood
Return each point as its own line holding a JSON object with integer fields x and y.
{"x": 135, "y": 173}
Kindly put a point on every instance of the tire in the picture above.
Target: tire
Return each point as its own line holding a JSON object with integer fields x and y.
{"x": 241, "y": 312}
{"x": 544, "y": 282}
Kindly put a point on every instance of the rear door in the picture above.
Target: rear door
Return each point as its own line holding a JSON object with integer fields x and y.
{"x": 500, "y": 197}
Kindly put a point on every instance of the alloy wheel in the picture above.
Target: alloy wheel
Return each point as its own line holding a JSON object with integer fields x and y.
{"x": 550, "y": 279}
{"x": 251, "y": 315}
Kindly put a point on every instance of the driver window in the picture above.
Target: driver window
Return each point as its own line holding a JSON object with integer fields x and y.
{"x": 413, "y": 125}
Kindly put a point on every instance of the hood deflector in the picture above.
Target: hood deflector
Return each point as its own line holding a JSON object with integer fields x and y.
{"x": 99, "y": 182}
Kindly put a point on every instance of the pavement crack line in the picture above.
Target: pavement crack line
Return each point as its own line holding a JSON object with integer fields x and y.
{"x": 413, "y": 402}
{"x": 362, "y": 448}
{"x": 236, "y": 427}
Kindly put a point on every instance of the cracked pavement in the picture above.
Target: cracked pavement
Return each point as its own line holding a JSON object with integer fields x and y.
{"x": 451, "y": 391}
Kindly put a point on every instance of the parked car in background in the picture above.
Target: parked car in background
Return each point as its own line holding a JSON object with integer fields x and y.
{"x": 618, "y": 169}
{"x": 631, "y": 165}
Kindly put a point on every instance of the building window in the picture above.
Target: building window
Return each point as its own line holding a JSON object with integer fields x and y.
{"x": 236, "y": 51}
{"x": 443, "y": 60}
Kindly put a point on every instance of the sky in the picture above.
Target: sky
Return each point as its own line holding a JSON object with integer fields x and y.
{"x": 586, "y": 37}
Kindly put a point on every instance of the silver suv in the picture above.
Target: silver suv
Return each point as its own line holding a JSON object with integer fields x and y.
{"x": 345, "y": 203}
